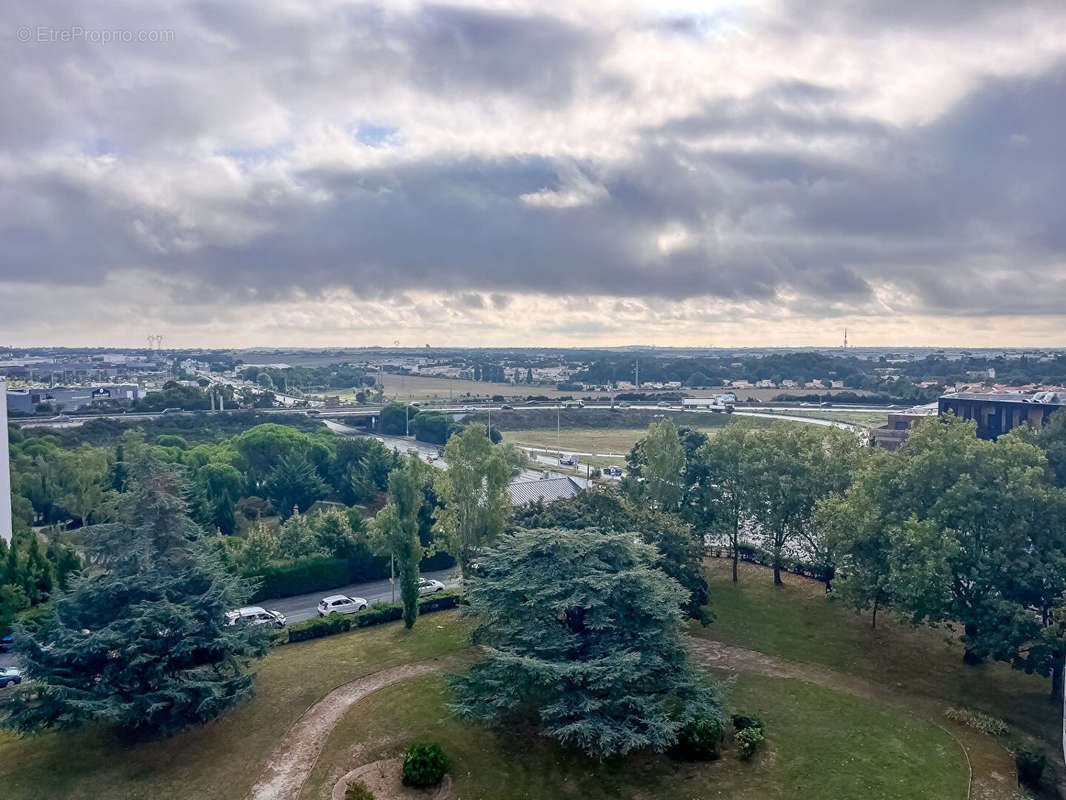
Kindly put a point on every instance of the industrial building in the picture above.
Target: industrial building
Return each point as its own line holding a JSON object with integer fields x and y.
{"x": 69, "y": 398}
{"x": 998, "y": 413}
{"x": 891, "y": 435}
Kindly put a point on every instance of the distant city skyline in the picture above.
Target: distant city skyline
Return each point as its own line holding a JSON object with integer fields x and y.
{"x": 592, "y": 172}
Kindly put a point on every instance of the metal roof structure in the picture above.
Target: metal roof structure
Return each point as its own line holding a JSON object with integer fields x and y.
{"x": 547, "y": 490}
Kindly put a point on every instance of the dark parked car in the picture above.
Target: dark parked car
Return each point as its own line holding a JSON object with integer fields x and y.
{"x": 10, "y": 675}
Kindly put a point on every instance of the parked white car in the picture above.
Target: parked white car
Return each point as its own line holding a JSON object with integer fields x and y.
{"x": 340, "y": 604}
{"x": 429, "y": 586}
{"x": 255, "y": 615}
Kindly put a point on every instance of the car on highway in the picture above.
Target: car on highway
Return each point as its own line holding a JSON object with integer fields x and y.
{"x": 613, "y": 471}
{"x": 255, "y": 615}
{"x": 312, "y": 412}
{"x": 568, "y": 459}
{"x": 60, "y": 418}
{"x": 10, "y": 675}
{"x": 340, "y": 604}
{"x": 171, "y": 411}
{"x": 506, "y": 408}
{"x": 429, "y": 586}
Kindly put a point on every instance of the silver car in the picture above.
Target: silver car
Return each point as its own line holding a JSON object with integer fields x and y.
{"x": 255, "y": 615}
{"x": 429, "y": 586}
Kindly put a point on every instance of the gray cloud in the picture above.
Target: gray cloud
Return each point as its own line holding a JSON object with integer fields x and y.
{"x": 271, "y": 153}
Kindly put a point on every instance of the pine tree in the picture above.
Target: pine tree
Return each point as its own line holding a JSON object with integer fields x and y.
{"x": 144, "y": 645}
{"x": 225, "y": 514}
{"x": 582, "y": 627}
{"x": 119, "y": 476}
{"x": 294, "y": 483}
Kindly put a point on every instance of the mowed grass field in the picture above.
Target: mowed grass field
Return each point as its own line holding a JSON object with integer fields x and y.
{"x": 580, "y": 440}
{"x": 796, "y": 622}
{"x": 821, "y": 745}
{"x": 869, "y": 419}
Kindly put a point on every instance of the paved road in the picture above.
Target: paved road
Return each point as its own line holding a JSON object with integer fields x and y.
{"x": 305, "y": 606}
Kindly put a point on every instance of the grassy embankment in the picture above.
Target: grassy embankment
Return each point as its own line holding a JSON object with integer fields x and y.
{"x": 797, "y": 623}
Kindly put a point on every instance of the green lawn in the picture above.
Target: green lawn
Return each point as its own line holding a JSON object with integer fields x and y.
{"x": 223, "y": 759}
{"x": 586, "y": 440}
{"x": 869, "y": 419}
{"x": 822, "y": 745}
{"x": 797, "y": 623}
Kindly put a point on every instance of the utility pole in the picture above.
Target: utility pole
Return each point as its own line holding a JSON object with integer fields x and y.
{"x": 406, "y": 421}
{"x": 636, "y": 368}
{"x": 558, "y": 436}
{"x": 392, "y": 575}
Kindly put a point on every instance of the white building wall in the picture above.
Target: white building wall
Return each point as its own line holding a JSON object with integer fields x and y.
{"x": 5, "y": 468}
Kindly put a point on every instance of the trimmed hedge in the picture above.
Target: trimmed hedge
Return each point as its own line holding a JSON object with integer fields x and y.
{"x": 321, "y": 572}
{"x": 377, "y": 614}
{"x": 302, "y": 576}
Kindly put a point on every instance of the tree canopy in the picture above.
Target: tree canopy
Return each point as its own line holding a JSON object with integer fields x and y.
{"x": 144, "y": 645}
{"x": 584, "y": 631}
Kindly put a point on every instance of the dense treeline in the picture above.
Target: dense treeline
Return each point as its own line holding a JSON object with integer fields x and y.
{"x": 854, "y": 372}
{"x": 948, "y": 529}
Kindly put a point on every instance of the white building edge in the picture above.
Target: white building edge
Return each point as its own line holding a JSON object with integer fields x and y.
{"x": 5, "y": 469}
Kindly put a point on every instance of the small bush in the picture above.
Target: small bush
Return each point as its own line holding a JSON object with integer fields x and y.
{"x": 978, "y": 721}
{"x": 1030, "y": 762}
{"x": 424, "y": 765}
{"x": 358, "y": 791}
{"x": 748, "y": 741}
{"x": 700, "y": 740}
{"x": 743, "y": 720}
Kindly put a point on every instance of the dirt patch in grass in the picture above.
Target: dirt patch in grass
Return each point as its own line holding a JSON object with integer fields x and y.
{"x": 292, "y": 760}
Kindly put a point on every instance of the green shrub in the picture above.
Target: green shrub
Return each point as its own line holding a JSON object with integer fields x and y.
{"x": 300, "y": 577}
{"x": 377, "y": 614}
{"x": 358, "y": 791}
{"x": 317, "y": 628}
{"x": 424, "y": 765}
{"x": 1030, "y": 762}
{"x": 978, "y": 721}
{"x": 700, "y": 740}
{"x": 742, "y": 720}
{"x": 748, "y": 741}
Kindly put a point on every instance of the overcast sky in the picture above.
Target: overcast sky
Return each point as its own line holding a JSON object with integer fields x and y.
{"x": 524, "y": 172}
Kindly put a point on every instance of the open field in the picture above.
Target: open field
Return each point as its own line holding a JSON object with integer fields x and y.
{"x": 797, "y": 623}
{"x": 221, "y": 760}
{"x": 585, "y": 440}
{"x": 423, "y": 388}
{"x": 580, "y": 440}
{"x": 822, "y": 745}
{"x": 869, "y": 419}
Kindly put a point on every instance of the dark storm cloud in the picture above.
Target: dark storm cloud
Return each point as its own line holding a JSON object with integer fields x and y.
{"x": 781, "y": 191}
